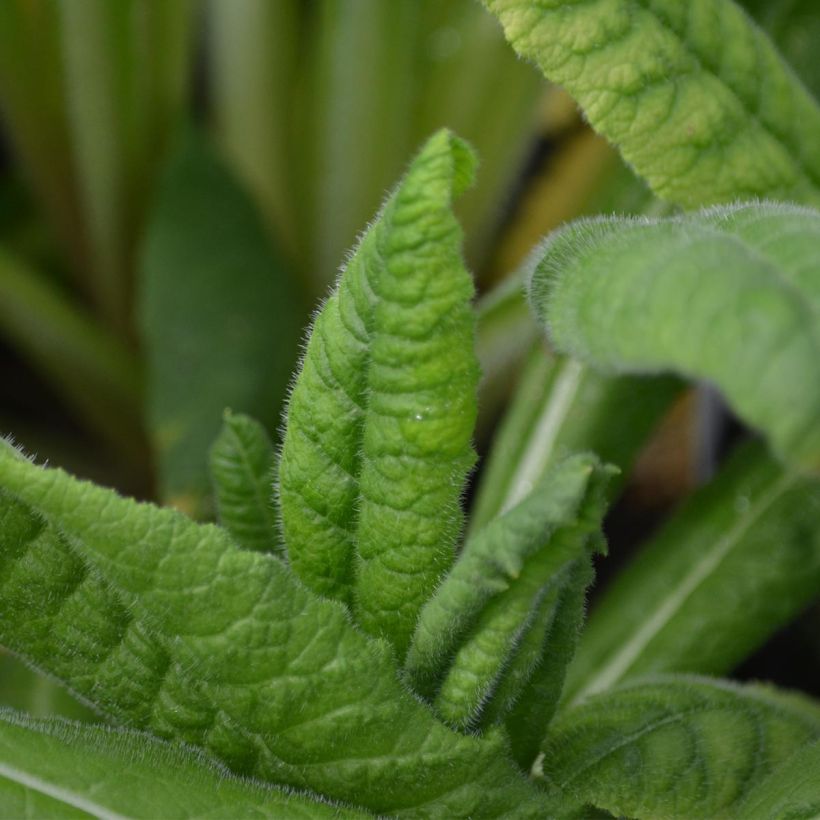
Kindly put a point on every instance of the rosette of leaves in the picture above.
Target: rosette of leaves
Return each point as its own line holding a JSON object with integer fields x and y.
{"x": 357, "y": 663}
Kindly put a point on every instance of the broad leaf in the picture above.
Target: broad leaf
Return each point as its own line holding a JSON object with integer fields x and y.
{"x": 378, "y": 434}
{"x": 730, "y": 294}
{"x": 242, "y": 470}
{"x": 790, "y": 792}
{"x": 675, "y": 747}
{"x": 220, "y": 317}
{"x": 695, "y": 95}
{"x": 55, "y": 768}
{"x": 483, "y": 636}
{"x": 266, "y": 676}
{"x": 738, "y": 561}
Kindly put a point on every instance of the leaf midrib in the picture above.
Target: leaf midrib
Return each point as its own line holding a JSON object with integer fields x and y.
{"x": 618, "y": 665}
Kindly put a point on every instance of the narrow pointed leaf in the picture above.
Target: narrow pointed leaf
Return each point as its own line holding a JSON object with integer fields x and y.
{"x": 242, "y": 470}
{"x": 675, "y": 747}
{"x": 219, "y": 314}
{"x": 739, "y": 560}
{"x": 264, "y": 675}
{"x": 61, "y": 769}
{"x": 379, "y": 423}
{"x": 695, "y": 96}
{"x": 790, "y": 792}
{"x": 731, "y": 295}
{"x": 487, "y": 628}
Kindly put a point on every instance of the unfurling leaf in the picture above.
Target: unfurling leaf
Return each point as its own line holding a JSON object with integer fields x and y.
{"x": 242, "y": 470}
{"x": 731, "y": 295}
{"x": 675, "y": 747}
{"x": 482, "y": 638}
{"x": 695, "y": 95}
{"x": 379, "y": 424}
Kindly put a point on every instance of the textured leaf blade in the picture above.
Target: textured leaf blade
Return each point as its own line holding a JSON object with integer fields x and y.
{"x": 219, "y": 315}
{"x": 680, "y": 89}
{"x": 381, "y": 416}
{"x": 267, "y": 677}
{"x": 790, "y": 792}
{"x": 740, "y": 559}
{"x": 675, "y": 747}
{"x": 483, "y": 634}
{"x": 242, "y": 462}
{"x": 731, "y": 295}
{"x": 62, "y": 769}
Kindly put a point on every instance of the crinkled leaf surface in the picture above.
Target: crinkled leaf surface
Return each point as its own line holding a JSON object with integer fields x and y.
{"x": 739, "y": 560}
{"x": 675, "y": 747}
{"x": 694, "y": 94}
{"x": 482, "y": 637}
{"x": 379, "y": 424}
{"x": 790, "y": 792}
{"x": 55, "y": 768}
{"x": 731, "y": 294}
{"x": 223, "y": 648}
{"x": 220, "y": 317}
{"x": 242, "y": 462}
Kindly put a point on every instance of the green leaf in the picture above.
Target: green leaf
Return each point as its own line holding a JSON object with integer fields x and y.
{"x": 730, "y": 294}
{"x": 220, "y": 317}
{"x": 242, "y": 469}
{"x": 561, "y": 407}
{"x": 380, "y": 419}
{"x": 56, "y": 768}
{"x": 694, "y": 95}
{"x": 675, "y": 747}
{"x": 790, "y": 792}
{"x": 739, "y": 560}
{"x": 257, "y": 670}
{"x": 483, "y": 635}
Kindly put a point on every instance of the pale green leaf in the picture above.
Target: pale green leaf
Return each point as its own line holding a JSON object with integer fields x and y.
{"x": 731, "y": 295}
{"x": 675, "y": 747}
{"x": 56, "y": 768}
{"x": 740, "y": 559}
{"x": 264, "y": 675}
{"x": 790, "y": 792}
{"x": 220, "y": 317}
{"x": 695, "y": 95}
{"x": 483, "y": 635}
{"x": 379, "y": 424}
{"x": 242, "y": 470}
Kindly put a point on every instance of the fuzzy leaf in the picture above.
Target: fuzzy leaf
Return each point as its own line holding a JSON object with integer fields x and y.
{"x": 242, "y": 470}
{"x": 379, "y": 424}
{"x": 264, "y": 675}
{"x": 675, "y": 747}
{"x": 695, "y": 95}
{"x": 55, "y": 768}
{"x": 738, "y": 561}
{"x": 730, "y": 294}
{"x": 790, "y": 792}
{"x": 485, "y": 632}
{"x": 219, "y": 314}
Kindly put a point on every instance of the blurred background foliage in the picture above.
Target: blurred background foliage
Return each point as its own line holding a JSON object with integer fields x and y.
{"x": 181, "y": 180}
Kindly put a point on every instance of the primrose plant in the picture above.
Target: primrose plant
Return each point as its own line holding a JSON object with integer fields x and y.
{"x": 342, "y": 651}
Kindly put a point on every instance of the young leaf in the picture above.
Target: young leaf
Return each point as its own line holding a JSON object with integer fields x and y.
{"x": 266, "y": 676}
{"x": 56, "y": 768}
{"x": 790, "y": 792}
{"x": 679, "y": 88}
{"x": 487, "y": 629}
{"x": 730, "y": 294}
{"x": 739, "y": 560}
{"x": 675, "y": 747}
{"x": 220, "y": 317}
{"x": 242, "y": 470}
{"x": 379, "y": 423}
